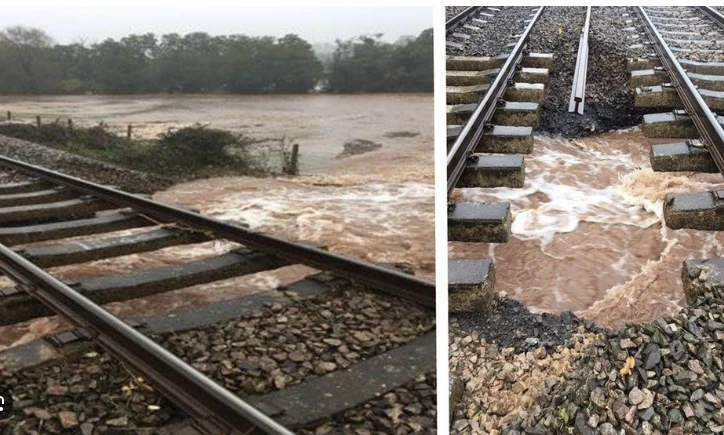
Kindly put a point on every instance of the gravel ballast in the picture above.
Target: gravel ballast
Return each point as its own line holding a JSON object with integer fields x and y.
{"x": 609, "y": 103}
{"x": 285, "y": 345}
{"x": 277, "y": 347}
{"x": 451, "y": 11}
{"x": 709, "y": 51}
{"x": 662, "y": 377}
{"x": 409, "y": 409}
{"x": 81, "y": 167}
{"x": 493, "y": 36}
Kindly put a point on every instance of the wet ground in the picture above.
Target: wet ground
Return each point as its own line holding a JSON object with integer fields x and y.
{"x": 377, "y": 206}
{"x": 321, "y": 124}
{"x": 588, "y": 234}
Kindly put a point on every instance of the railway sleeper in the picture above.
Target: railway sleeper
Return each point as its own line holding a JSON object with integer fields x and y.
{"x": 16, "y": 306}
{"x": 675, "y": 125}
{"x": 512, "y": 113}
{"x": 320, "y": 398}
{"x": 72, "y": 228}
{"x": 479, "y": 222}
{"x": 465, "y": 94}
{"x": 81, "y": 251}
{"x": 38, "y": 197}
{"x": 647, "y": 77}
{"x": 689, "y": 156}
{"x": 506, "y": 140}
{"x": 32, "y": 185}
{"x": 471, "y": 285}
{"x": 657, "y": 97}
{"x": 472, "y": 78}
{"x": 696, "y": 210}
{"x": 691, "y": 66}
{"x": 525, "y": 92}
{"x": 494, "y": 171}
{"x": 84, "y": 207}
{"x": 483, "y": 63}
{"x": 643, "y": 63}
{"x": 667, "y": 97}
{"x": 71, "y": 343}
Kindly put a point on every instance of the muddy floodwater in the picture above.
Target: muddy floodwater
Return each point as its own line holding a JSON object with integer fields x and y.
{"x": 321, "y": 124}
{"x": 588, "y": 233}
{"x": 377, "y": 206}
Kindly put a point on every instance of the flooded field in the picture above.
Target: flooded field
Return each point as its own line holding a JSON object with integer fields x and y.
{"x": 588, "y": 232}
{"x": 321, "y": 124}
{"x": 378, "y": 206}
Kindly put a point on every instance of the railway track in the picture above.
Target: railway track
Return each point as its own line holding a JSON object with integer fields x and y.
{"x": 686, "y": 76}
{"x": 267, "y": 386}
{"x": 493, "y": 105}
{"x": 678, "y": 81}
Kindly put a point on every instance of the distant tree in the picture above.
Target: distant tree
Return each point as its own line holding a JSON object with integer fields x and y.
{"x": 360, "y": 65}
{"x": 31, "y": 63}
{"x": 291, "y": 65}
{"x": 27, "y": 61}
{"x": 365, "y": 64}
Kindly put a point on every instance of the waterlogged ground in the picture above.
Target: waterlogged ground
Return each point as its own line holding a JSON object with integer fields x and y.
{"x": 321, "y": 124}
{"x": 376, "y": 206}
{"x": 588, "y": 234}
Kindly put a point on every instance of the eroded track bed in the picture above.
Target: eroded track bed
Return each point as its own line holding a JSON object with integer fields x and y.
{"x": 600, "y": 225}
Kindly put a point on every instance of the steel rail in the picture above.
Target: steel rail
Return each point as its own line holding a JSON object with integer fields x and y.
{"x": 713, "y": 14}
{"x": 213, "y": 409}
{"x": 475, "y": 127}
{"x": 383, "y": 279}
{"x": 706, "y": 124}
{"x": 578, "y": 93}
{"x": 458, "y": 19}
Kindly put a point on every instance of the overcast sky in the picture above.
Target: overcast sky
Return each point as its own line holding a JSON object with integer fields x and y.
{"x": 71, "y": 23}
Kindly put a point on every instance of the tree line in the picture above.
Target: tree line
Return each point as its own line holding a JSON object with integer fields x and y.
{"x": 32, "y": 63}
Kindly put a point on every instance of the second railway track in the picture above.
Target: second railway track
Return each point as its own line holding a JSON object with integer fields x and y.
{"x": 672, "y": 73}
{"x": 274, "y": 361}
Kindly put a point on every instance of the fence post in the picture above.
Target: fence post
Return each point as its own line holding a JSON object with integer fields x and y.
{"x": 129, "y": 132}
{"x": 70, "y": 124}
{"x": 294, "y": 162}
{"x": 10, "y": 116}
{"x": 37, "y": 120}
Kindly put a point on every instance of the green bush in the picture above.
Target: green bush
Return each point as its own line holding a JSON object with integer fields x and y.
{"x": 97, "y": 137}
{"x": 201, "y": 146}
{"x": 46, "y": 133}
{"x": 189, "y": 152}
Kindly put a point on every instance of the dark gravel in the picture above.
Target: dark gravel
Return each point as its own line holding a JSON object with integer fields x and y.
{"x": 409, "y": 409}
{"x": 284, "y": 345}
{"x": 609, "y": 103}
{"x": 451, "y": 11}
{"x": 675, "y": 386}
{"x": 279, "y": 346}
{"x": 711, "y": 52}
{"x": 511, "y": 324}
{"x": 93, "y": 395}
{"x": 82, "y": 167}
{"x": 492, "y": 37}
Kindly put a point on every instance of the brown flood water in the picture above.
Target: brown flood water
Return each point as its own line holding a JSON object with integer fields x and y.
{"x": 588, "y": 234}
{"x": 377, "y": 206}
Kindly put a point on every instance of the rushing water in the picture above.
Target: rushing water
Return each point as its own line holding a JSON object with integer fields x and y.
{"x": 376, "y": 206}
{"x": 588, "y": 234}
